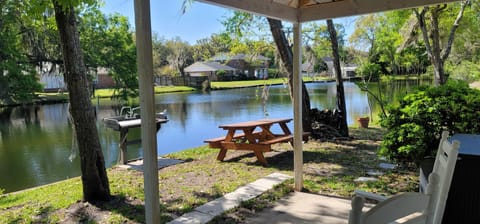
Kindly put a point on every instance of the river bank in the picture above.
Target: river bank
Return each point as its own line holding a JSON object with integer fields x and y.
{"x": 62, "y": 97}
{"x": 329, "y": 168}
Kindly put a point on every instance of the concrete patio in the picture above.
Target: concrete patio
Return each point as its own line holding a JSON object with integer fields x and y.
{"x": 297, "y": 207}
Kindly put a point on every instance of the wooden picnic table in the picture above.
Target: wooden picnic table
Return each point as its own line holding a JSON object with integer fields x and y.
{"x": 256, "y": 136}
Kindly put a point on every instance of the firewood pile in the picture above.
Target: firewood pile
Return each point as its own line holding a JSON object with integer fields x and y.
{"x": 325, "y": 124}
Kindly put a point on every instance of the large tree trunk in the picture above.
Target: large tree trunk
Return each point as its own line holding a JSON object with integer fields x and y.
{"x": 286, "y": 54}
{"x": 434, "y": 48}
{"x": 94, "y": 175}
{"x": 343, "y": 127}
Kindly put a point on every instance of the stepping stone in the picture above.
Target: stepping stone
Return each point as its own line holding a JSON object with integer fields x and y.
{"x": 387, "y": 166}
{"x": 366, "y": 179}
{"x": 138, "y": 164}
{"x": 375, "y": 173}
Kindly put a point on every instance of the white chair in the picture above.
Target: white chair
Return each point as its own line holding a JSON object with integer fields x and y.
{"x": 413, "y": 207}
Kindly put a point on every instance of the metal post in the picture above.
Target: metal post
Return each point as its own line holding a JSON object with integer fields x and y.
{"x": 123, "y": 145}
{"x": 149, "y": 139}
{"x": 297, "y": 107}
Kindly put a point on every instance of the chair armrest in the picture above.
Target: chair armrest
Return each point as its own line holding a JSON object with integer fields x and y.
{"x": 369, "y": 195}
{"x": 414, "y": 218}
{"x": 396, "y": 207}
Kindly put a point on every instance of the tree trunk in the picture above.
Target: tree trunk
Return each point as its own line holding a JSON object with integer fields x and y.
{"x": 343, "y": 127}
{"x": 94, "y": 175}
{"x": 436, "y": 59}
{"x": 434, "y": 48}
{"x": 286, "y": 54}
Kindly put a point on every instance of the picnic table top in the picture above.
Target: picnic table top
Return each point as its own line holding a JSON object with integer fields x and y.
{"x": 248, "y": 124}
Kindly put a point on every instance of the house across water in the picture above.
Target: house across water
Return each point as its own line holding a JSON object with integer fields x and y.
{"x": 226, "y": 67}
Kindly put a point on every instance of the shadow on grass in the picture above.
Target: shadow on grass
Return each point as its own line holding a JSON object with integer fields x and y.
{"x": 129, "y": 210}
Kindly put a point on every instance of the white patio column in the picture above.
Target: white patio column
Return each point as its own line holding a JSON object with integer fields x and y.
{"x": 143, "y": 32}
{"x": 297, "y": 107}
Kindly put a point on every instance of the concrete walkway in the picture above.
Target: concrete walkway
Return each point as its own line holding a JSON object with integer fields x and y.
{"x": 208, "y": 211}
{"x": 297, "y": 207}
{"x": 300, "y": 207}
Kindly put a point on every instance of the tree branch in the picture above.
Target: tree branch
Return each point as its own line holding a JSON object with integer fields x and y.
{"x": 454, "y": 28}
{"x": 440, "y": 8}
{"x": 423, "y": 27}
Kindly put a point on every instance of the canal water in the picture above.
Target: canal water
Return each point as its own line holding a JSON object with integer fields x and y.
{"x": 37, "y": 145}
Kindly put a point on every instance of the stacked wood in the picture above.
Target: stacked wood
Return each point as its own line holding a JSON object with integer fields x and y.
{"x": 325, "y": 124}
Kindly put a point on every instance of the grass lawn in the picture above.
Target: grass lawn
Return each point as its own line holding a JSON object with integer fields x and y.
{"x": 329, "y": 168}
{"x": 249, "y": 83}
{"x": 106, "y": 93}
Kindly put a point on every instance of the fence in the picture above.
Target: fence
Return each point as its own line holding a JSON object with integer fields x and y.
{"x": 168, "y": 80}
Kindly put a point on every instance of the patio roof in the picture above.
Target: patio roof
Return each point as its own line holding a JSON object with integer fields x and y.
{"x": 311, "y": 10}
{"x": 295, "y": 11}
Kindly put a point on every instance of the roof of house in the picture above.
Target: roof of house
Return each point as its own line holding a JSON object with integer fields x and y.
{"x": 207, "y": 67}
{"x": 227, "y": 57}
{"x": 307, "y": 66}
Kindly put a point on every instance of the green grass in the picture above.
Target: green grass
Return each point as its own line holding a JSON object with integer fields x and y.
{"x": 107, "y": 93}
{"x": 247, "y": 83}
{"x": 53, "y": 96}
{"x": 39, "y": 203}
{"x": 329, "y": 168}
{"x": 170, "y": 89}
{"x": 250, "y": 83}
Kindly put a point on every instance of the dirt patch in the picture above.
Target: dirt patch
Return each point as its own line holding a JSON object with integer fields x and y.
{"x": 84, "y": 212}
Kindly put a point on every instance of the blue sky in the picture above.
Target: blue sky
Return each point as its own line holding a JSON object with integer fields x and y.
{"x": 200, "y": 21}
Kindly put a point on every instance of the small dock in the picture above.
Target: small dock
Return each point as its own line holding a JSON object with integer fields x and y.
{"x": 129, "y": 120}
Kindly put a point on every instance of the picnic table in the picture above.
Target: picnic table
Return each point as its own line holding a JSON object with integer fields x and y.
{"x": 256, "y": 136}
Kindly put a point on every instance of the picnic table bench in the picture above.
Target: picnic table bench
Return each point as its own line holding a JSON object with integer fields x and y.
{"x": 256, "y": 136}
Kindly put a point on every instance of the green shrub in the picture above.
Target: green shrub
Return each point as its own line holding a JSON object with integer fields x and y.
{"x": 369, "y": 71}
{"x": 467, "y": 71}
{"x": 415, "y": 125}
{"x": 221, "y": 74}
{"x": 273, "y": 73}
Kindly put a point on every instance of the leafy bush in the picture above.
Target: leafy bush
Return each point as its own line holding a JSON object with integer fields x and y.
{"x": 273, "y": 73}
{"x": 221, "y": 73}
{"x": 467, "y": 70}
{"x": 415, "y": 125}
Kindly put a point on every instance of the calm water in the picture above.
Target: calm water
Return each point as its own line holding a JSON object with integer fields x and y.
{"x": 36, "y": 144}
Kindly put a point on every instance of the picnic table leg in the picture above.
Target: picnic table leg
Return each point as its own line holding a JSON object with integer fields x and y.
{"x": 260, "y": 157}
{"x": 223, "y": 151}
{"x": 266, "y": 133}
{"x": 221, "y": 155}
{"x": 285, "y": 128}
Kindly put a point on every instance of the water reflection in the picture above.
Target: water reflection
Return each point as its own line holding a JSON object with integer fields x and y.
{"x": 36, "y": 143}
